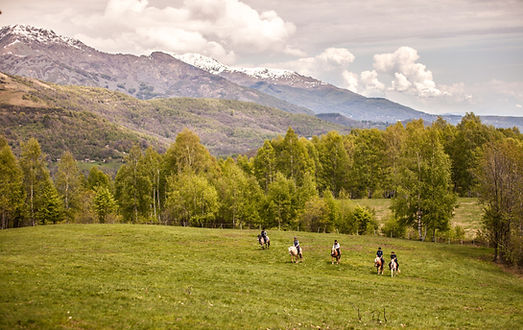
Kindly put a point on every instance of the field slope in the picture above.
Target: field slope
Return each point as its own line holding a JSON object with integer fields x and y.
{"x": 136, "y": 276}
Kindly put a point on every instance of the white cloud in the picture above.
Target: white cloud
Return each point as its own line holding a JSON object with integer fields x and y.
{"x": 351, "y": 81}
{"x": 409, "y": 75}
{"x": 331, "y": 62}
{"x": 371, "y": 86}
{"x": 217, "y": 28}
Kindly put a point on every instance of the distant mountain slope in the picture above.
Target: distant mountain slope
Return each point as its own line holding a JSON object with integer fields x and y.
{"x": 23, "y": 115}
{"x": 322, "y": 97}
{"x": 308, "y": 92}
{"x": 42, "y": 54}
{"x": 72, "y": 117}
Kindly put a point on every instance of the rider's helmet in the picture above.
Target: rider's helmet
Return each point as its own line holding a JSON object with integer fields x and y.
{"x": 379, "y": 248}
{"x": 295, "y": 237}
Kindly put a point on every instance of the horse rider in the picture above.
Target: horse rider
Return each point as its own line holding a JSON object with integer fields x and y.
{"x": 297, "y": 246}
{"x": 264, "y": 235}
{"x": 336, "y": 247}
{"x": 395, "y": 258}
{"x": 379, "y": 254}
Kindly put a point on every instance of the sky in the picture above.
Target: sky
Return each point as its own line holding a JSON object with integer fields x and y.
{"x": 445, "y": 56}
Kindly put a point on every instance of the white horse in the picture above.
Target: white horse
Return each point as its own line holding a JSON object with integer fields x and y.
{"x": 393, "y": 267}
{"x": 293, "y": 251}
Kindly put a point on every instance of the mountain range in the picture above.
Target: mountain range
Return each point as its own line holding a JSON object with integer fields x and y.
{"x": 42, "y": 54}
{"x": 97, "y": 123}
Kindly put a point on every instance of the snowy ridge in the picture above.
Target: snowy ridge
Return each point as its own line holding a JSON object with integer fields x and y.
{"x": 39, "y": 35}
{"x": 213, "y": 66}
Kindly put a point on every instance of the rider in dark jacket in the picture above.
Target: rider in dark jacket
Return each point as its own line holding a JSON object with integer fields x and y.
{"x": 395, "y": 258}
{"x": 379, "y": 254}
{"x": 297, "y": 245}
{"x": 264, "y": 234}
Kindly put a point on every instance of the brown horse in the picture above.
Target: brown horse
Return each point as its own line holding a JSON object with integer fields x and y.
{"x": 378, "y": 263}
{"x": 335, "y": 256}
{"x": 294, "y": 254}
{"x": 264, "y": 243}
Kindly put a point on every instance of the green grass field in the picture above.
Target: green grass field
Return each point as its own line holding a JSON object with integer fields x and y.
{"x": 138, "y": 276}
{"x": 467, "y": 214}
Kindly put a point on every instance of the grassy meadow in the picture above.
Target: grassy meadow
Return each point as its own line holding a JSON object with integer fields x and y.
{"x": 467, "y": 214}
{"x": 139, "y": 276}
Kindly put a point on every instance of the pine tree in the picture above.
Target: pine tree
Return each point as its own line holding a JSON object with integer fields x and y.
{"x": 12, "y": 194}
{"x": 97, "y": 178}
{"x": 103, "y": 203}
{"x": 49, "y": 205}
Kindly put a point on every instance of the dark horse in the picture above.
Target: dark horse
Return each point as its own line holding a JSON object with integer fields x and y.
{"x": 264, "y": 243}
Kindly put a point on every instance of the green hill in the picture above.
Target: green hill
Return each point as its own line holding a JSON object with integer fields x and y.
{"x": 99, "y": 123}
{"x": 137, "y": 276}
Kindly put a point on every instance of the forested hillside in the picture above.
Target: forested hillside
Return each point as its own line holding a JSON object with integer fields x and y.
{"x": 97, "y": 123}
{"x": 291, "y": 183}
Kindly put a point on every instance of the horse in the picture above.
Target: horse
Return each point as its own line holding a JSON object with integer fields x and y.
{"x": 393, "y": 267}
{"x": 264, "y": 243}
{"x": 293, "y": 251}
{"x": 379, "y": 265}
{"x": 335, "y": 256}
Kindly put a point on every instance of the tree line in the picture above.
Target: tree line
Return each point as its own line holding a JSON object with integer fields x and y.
{"x": 290, "y": 183}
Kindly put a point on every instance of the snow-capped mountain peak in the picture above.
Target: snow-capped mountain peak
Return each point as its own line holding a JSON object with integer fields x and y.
{"x": 205, "y": 63}
{"x": 213, "y": 66}
{"x": 44, "y": 36}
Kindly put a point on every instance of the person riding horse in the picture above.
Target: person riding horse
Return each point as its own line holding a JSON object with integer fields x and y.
{"x": 297, "y": 246}
{"x": 379, "y": 254}
{"x": 395, "y": 258}
{"x": 264, "y": 235}
{"x": 337, "y": 253}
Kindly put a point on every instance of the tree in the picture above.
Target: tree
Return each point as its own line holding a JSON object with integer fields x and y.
{"x": 280, "y": 202}
{"x": 36, "y": 175}
{"x": 293, "y": 159}
{"x": 49, "y": 205}
{"x": 187, "y": 153}
{"x": 333, "y": 172}
{"x": 97, "y": 178}
{"x": 12, "y": 194}
{"x": 500, "y": 175}
{"x": 133, "y": 187}
{"x": 423, "y": 198}
{"x": 394, "y": 137}
{"x": 265, "y": 165}
{"x": 70, "y": 183}
{"x": 368, "y": 165}
{"x": 103, "y": 203}
{"x": 465, "y": 152}
{"x": 152, "y": 164}
{"x": 232, "y": 192}
{"x": 191, "y": 199}
{"x": 315, "y": 215}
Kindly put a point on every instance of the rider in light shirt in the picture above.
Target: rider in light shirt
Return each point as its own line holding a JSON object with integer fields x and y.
{"x": 336, "y": 247}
